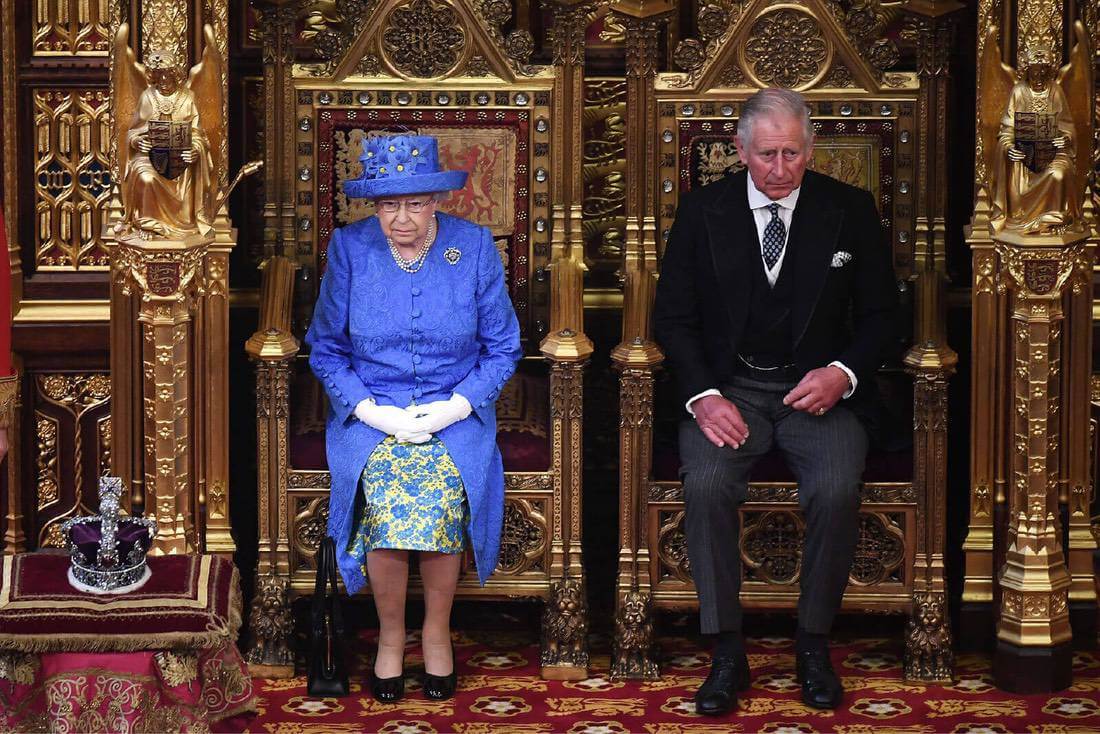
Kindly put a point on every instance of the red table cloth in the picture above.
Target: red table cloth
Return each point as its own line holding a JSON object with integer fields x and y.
{"x": 162, "y": 658}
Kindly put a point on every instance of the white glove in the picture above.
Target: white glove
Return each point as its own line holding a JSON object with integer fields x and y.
{"x": 434, "y": 417}
{"x": 389, "y": 419}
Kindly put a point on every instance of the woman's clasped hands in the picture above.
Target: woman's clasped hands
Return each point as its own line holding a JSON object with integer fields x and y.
{"x": 416, "y": 423}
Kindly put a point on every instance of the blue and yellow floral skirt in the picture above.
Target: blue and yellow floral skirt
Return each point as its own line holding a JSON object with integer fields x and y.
{"x": 412, "y": 499}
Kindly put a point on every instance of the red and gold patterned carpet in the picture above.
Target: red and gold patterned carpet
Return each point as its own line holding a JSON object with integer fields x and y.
{"x": 501, "y": 692}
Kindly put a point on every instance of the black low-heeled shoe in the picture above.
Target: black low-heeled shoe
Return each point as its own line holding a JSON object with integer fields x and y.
{"x": 442, "y": 687}
{"x": 387, "y": 690}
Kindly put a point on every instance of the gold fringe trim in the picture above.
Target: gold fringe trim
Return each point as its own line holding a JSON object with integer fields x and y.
{"x": 113, "y": 643}
{"x": 215, "y": 636}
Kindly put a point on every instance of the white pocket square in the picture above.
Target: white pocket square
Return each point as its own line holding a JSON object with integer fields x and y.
{"x": 841, "y": 258}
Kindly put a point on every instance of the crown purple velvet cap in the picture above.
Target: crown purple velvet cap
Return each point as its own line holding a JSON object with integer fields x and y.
{"x": 107, "y": 551}
{"x": 398, "y": 165}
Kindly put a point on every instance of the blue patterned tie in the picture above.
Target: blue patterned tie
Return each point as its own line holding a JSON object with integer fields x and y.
{"x": 774, "y": 235}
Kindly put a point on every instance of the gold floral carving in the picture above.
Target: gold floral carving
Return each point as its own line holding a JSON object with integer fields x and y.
{"x": 49, "y": 480}
{"x": 70, "y": 28}
{"x": 164, "y": 26}
{"x": 523, "y": 537}
{"x": 72, "y": 178}
{"x": 1038, "y": 23}
{"x": 52, "y": 537}
{"x": 423, "y": 39}
{"x": 786, "y": 48}
{"x": 310, "y": 524}
{"x": 604, "y": 164}
{"x": 672, "y": 546}
{"x": 103, "y": 429}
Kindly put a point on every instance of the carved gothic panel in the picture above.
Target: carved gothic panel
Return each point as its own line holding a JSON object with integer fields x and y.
{"x": 880, "y": 550}
{"x": 310, "y": 523}
{"x": 672, "y": 547}
{"x": 523, "y": 537}
{"x": 786, "y": 48}
{"x": 424, "y": 39}
{"x": 72, "y": 177}
{"x": 69, "y": 412}
{"x": 771, "y": 546}
{"x": 70, "y": 28}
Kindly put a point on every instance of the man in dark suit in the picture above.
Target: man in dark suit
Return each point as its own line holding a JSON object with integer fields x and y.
{"x": 774, "y": 306}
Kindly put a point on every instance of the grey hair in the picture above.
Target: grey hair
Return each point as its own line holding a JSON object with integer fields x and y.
{"x": 773, "y": 102}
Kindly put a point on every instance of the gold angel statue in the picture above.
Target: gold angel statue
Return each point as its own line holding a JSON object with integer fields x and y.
{"x": 169, "y": 154}
{"x": 1035, "y": 131}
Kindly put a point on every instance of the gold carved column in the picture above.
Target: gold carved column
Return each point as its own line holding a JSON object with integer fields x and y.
{"x": 928, "y": 651}
{"x": 170, "y": 311}
{"x": 1034, "y": 580}
{"x": 637, "y": 355}
{"x": 1033, "y": 238}
{"x": 272, "y": 350}
{"x": 565, "y": 656}
{"x": 163, "y": 279}
{"x": 989, "y": 395}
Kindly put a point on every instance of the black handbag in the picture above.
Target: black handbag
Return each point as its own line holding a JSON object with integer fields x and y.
{"x": 328, "y": 674}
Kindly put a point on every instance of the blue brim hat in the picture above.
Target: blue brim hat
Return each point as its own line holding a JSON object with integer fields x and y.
{"x": 397, "y": 165}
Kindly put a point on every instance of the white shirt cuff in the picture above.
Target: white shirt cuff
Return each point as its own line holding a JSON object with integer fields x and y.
{"x": 851, "y": 378}
{"x": 687, "y": 405}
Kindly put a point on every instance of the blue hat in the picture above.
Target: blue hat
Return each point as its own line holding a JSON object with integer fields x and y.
{"x": 395, "y": 165}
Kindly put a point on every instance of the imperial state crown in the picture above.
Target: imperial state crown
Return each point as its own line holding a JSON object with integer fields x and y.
{"x": 108, "y": 551}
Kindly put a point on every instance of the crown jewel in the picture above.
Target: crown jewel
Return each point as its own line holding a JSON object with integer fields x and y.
{"x": 108, "y": 551}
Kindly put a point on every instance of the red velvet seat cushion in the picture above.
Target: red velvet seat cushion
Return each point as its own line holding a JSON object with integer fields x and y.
{"x": 523, "y": 421}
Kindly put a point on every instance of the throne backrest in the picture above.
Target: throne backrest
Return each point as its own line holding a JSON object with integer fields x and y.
{"x": 866, "y": 143}
{"x": 864, "y": 119}
{"x": 387, "y": 72}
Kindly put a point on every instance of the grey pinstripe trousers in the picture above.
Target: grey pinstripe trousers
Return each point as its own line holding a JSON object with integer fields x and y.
{"x": 825, "y": 453}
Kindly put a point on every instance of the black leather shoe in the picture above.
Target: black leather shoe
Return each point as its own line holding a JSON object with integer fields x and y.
{"x": 442, "y": 687}
{"x": 718, "y": 694}
{"x": 821, "y": 688}
{"x": 387, "y": 690}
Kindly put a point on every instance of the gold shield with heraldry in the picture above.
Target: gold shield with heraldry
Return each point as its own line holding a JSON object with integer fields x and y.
{"x": 169, "y": 140}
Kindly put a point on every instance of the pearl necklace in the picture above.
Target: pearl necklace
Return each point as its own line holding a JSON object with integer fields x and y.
{"x": 412, "y": 266}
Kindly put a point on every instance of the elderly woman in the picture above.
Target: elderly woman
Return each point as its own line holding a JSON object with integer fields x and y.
{"x": 413, "y": 337}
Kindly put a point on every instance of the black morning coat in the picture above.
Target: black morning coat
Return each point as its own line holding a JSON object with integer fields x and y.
{"x": 841, "y": 311}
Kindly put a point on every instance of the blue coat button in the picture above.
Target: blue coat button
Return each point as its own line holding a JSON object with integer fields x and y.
{"x": 416, "y": 359}
{"x": 416, "y": 291}
{"x": 417, "y": 392}
{"x": 416, "y": 313}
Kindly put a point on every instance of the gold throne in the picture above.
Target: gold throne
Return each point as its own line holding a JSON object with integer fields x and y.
{"x": 442, "y": 68}
{"x": 868, "y": 126}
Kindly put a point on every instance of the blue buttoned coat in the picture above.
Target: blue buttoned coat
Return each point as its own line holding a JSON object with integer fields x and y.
{"x": 380, "y": 332}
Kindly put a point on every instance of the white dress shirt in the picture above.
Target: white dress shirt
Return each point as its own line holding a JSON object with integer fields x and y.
{"x": 758, "y": 203}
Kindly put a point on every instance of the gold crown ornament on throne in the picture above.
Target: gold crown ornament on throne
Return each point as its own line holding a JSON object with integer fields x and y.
{"x": 107, "y": 551}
